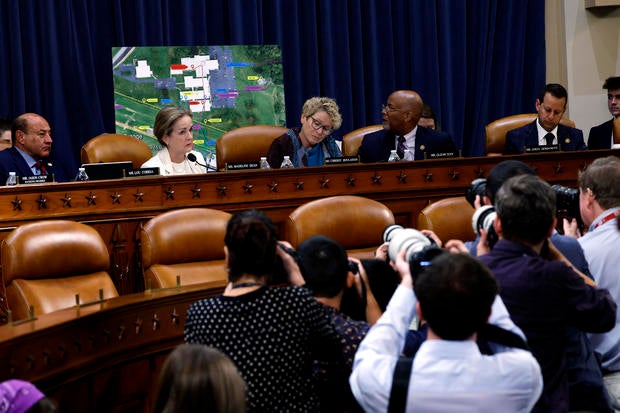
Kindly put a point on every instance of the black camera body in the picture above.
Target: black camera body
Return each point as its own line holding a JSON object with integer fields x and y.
{"x": 567, "y": 204}
{"x": 477, "y": 187}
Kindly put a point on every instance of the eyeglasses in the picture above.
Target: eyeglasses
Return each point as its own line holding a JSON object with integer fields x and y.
{"x": 316, "y": 125}
{"x": 387, "y": 108}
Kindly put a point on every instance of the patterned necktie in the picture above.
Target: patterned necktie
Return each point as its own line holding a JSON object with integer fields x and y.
{"x": 549, "y": 138}
{"x": 400, "y": 148}
{"x": 41, "y": 167}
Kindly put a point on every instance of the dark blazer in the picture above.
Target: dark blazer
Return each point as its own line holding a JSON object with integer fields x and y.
{"x": 376, "y": 146}
{"x": 12, "y": 161}
{"x": 570, "y": 139}
{"x": 600, "y": 136}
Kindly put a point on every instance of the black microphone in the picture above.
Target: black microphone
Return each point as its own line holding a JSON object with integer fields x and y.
{"x": 192, "y": 158}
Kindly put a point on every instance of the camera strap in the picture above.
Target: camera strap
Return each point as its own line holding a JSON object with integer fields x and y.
{"x": 400, "y": 385}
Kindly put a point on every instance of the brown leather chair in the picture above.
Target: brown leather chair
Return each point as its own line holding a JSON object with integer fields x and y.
{"x": 351, "y": 141}
{"x": 357, "y": 223}
{"x": 245, "y": 144}
{"x": 45, "y": 264}
{"x": 115, "y": 147}
{"x": 185, "y": 242}
{"x": 495, "y": 132}
{"x": 449, "y": 218}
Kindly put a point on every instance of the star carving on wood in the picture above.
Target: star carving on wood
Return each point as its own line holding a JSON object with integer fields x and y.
{"x": 17, "y": 204}
{"x": 402, "y": 177}
{"x": 324, "y": 182}
{"x": 66, "y": 201}
{"x": 350, "y": 180}
{"x": 273, "y": 186}
{"x": 428, "y": 176}
{"x": 376, "y": 179}
{"x": 91, "y": 198}
{"x": 557, "y": 169}
{"x": 169, "y": 192}
{"x": 139, "y": 195}
{"x": 196, "y": 192}
{"x": 42, "y": 201}
{"x": 454, "y": 174}
{"x": 248, "y": 187}
{"x": 479, "y": 172}
{"x": 116, "y": 198}
{"x": 299, "y": 185}
{"x": 222, "y": 189}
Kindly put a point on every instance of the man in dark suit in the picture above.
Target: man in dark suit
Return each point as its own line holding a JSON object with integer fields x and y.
{"x": 401, "y": 131}
{"x": 603, "y": 136}
{"x": 546, "y": 129}
{"x": 29, "y": 155}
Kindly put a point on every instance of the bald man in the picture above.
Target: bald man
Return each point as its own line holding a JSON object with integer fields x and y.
{"x": 401, "y": 131}
{"x": 29, "y": 155}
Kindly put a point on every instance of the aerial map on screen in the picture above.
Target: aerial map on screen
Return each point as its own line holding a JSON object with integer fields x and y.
{"x": 225, "y": 87}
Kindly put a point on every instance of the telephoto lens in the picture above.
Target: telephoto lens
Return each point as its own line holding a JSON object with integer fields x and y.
{"x": 483, "y": 219}
{"x": 399, "y": 238}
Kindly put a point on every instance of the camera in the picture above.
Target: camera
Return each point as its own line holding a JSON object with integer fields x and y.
{"x": 477, "y": 187}
{"x": 567, "y": 203}
{"x": 399, "y": 238}
{"x": 483, "y": 219}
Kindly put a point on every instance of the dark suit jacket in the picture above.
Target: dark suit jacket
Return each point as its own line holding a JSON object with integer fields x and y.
{"x": 11, "y": 160}
{"x": 600, "y": 136}
{"x": 570, "y": 139}
{"x": 376, "y": 146}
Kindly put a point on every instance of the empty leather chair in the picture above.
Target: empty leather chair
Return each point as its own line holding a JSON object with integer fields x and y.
{"x": 185, "y": 242}
{"x": 351, "y": 141}
{"x": 115, "y": 147}
{"x": 449, "y": 218}
{"x": 357, "y": 223}
{"x": 245, "y": 144}
{"x": 495, "y": 132}
{"x": 45, "y": 264}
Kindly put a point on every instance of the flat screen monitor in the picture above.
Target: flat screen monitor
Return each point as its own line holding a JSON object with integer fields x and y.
{"x": 107, "y": 170}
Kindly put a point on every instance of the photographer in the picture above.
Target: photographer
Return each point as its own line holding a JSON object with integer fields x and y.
{"x": 542, "y": 291}
{"x": 457, "y": 295}
{"x": 328, "y": 273}
{"x": 599, "y": 187}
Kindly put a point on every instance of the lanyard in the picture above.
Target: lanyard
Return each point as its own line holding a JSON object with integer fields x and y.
{"x": 607, "y": 218}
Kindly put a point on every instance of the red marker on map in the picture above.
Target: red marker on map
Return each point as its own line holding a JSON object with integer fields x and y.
{"x": 178, "y": 66}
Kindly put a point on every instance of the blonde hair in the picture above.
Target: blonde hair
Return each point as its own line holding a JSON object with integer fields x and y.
{"x": 315, "y": 104}
{"x": 165, "y": 119}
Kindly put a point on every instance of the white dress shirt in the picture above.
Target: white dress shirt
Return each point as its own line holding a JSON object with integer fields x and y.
{"x": 447, "y": 376}
{"x": 162, "y": 161}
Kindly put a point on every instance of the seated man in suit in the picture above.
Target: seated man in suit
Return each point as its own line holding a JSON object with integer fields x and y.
{"x": 401, "y": 131}
{"x": 607, "y": 134}
{"x": 546, "y": 130}
{"x": 32, "y": 143}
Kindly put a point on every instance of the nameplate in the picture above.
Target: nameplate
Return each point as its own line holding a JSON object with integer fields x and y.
{"x": 233, "y": 166}
{"x": 142, "y": 172}
{"x": 440, "y": 155}
{"x": 541, "y": 148}
{"x": 37, "y": 179}
{"x": 341, "y": 160}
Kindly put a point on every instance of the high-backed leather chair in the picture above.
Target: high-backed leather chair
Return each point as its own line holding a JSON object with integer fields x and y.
{"x": 185, "y": 242}
{"x": 449, "y": 218}
{"x": 357, "y": 223}
{"x": 45, "y": 264}
{"x": 495, "y": 132}
{"x": 115, "y": 147}
{"x": 351, "y": 141}
{"x": 245, "y": 144}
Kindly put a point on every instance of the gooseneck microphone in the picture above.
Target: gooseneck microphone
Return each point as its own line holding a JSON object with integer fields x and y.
{"x": 192, "y": 158}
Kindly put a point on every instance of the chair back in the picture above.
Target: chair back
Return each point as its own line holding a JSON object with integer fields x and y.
{"x": 245, "y": 144}
{"x": 115, "y": 147}
{"x": 357, "y": 223}
{"x": 45, "y": 264}
{"x": 495, "y": 132}
{"x": 449, "y": 218}
{"x": 186, "y": 242}
{"x": 351, "y": 141}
